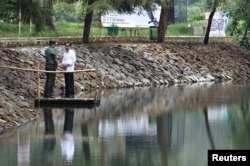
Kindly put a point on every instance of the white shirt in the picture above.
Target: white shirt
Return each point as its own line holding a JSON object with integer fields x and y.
{"x": 69, "y": 58}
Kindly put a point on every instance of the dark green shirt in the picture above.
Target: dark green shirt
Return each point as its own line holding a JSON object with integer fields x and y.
{"x": 50, "y": 56}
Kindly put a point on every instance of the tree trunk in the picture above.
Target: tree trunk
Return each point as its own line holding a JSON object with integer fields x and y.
{"x": 49, "y": 14}
{"x": 87, "y": 23}
{"x": 210, "y": 19}
{"x": 171, "y": 12}
{"x": 163, "y": 21}
{"x": 209, "y": 133}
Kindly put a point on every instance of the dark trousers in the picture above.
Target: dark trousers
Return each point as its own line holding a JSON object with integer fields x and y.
{"x": 50, "y": 81}
{"x": 69, "y": 84}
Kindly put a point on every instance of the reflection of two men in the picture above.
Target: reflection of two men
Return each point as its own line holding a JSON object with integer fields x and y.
{"x": 66, "y": 142}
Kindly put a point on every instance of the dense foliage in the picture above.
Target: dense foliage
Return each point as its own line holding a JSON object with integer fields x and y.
{"x": 196, "y": 12}
{"x": 240, "y": 25}
{"x": 73, "y": 12}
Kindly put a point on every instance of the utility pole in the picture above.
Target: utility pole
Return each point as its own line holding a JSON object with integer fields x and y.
{"x": 20, "y": 18}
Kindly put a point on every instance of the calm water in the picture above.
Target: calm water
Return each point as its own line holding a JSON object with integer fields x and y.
{"x": 168, "y": 126}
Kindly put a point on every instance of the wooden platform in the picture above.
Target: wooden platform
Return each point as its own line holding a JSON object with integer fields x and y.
{"x": 66, "y": 103}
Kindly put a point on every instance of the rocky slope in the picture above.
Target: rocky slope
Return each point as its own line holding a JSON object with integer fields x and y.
{"x": 121, "y": 65}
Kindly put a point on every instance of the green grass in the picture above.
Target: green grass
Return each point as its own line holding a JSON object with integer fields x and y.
{"x": 11, "y": 30}
{"x": 76, "y": 29}
{"x": 178, "y": 29}
{"x": 69, "y": 29}
{"x": 198, "y": 23}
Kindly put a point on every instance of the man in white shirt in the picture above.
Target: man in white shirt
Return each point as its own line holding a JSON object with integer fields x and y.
{"x": 68, "y": 62}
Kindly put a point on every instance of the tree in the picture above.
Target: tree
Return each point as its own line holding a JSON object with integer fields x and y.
{"x": 211, "y": 4}
{"x": 163, "y": 21}
{"x": 122, "y": 6}
{"x": 241, "y": 20}
{"x": 125, "y": 6}
{"x": 87, "y": 22}
{"x": 38, "y": 11}
{"x": 7, "y": 8}
{"x": 48, "y": 11}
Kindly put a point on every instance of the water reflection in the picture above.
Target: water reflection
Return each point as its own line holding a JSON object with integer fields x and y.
{"x": 240, "y": 124}
{"x": 67, "y": 140}
{"x": 49, "y": 137}
{"x": 23, "y": 148}
{"x": 164, "y": 134}
{"x": 48, "y": 120}
{"x": 208, "y": 129}
{"x": 85, "y": 141}
{"x": 156, "y": 126}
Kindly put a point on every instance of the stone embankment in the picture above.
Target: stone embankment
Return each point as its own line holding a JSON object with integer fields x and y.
{"x": 120, "y": 65}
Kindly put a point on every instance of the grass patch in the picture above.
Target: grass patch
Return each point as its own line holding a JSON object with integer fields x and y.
{"x": 178, "y": 29}
{"x": 76, "y": 29}
{"x": 69, "y": 29}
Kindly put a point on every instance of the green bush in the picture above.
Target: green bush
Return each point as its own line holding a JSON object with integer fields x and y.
{"x": 245, "y": 42}
{"x": 196, "y": 12}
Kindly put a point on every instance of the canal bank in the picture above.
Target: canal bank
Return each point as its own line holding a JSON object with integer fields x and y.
{"x": 120, "y": 66}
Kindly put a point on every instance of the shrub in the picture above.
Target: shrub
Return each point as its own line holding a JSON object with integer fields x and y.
{"x": 196, "y": 12}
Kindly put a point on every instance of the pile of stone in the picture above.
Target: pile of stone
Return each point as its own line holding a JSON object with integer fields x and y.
{"x": 16, "y": 88}
{"x": 130, "y": 65}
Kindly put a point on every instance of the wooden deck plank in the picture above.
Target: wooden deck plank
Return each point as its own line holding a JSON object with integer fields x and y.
{"x": 66, "y": 103}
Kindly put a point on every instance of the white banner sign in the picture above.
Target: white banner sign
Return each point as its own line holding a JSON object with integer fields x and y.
{"x": 140, "y": 18}
{"x": 218, "y": 26}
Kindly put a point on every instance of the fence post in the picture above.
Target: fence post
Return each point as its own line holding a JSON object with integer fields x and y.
{"x": 38, "y": 80}
{"x": 96, "y": 84}
{"x": 96, "y": 78}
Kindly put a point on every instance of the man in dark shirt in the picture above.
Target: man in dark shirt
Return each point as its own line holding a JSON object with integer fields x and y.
{"x": 51, "y": 65}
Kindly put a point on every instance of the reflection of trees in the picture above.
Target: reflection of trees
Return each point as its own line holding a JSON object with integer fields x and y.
{"x": 239, "y": 118}
{"x": 23, "y": 148}
{"x": 209, "y": 133}
{"x": 164, "y": 133}
{"x": 156, "y": 100}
